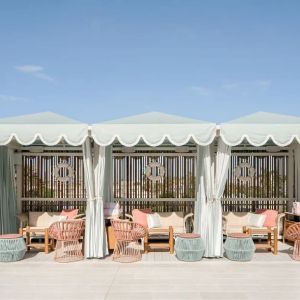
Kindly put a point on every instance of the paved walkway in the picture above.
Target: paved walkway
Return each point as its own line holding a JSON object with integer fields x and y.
{"x": 158, "y": 276}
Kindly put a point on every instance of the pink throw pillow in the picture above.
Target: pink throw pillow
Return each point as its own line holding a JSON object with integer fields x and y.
{"x": 70, "y": 214}
{"x": 140, "y": 216}
{"x": 271, "y": 216}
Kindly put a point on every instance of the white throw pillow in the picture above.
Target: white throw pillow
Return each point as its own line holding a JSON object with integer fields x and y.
{"x": 58, "y": 219}
{"x": 153, "y": 220}
{"x": 256, "y": 220}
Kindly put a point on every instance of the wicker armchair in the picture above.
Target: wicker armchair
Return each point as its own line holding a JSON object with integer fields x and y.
{"x": 293, "y": 234}
{"x": 127, "y": 235}
{"x": 67, "y": 234}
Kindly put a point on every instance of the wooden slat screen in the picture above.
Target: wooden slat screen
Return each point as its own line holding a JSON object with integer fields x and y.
{"x": 130, "y": 181}
{"x": 39, "y": 182}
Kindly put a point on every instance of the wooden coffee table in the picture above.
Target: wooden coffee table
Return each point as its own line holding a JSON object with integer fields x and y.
{"x": 272, "y": 241}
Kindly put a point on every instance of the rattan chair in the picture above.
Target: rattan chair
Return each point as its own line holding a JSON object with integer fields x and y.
{"x": 127, "y": 235}
{"x": 67, "y": 234}
{"x": 293, "y": 234}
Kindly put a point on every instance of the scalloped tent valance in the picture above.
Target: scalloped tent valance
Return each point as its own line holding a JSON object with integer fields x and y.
{"x": 259, "y": 128}
{"x": 154, "y": 129}
{"x": 48, "y": 127}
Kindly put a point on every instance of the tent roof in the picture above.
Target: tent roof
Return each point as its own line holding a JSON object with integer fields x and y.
{"x": 260, "y": 127}
{"x": 39, "y": 118}
{"x": 48, "y": 127}
{"x": 154, "y": 128}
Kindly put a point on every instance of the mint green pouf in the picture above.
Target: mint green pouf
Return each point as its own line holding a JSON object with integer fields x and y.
{"x": 189, "y": 247}
{"x": 239, "y": 247}
{"x": 12, "y": 247}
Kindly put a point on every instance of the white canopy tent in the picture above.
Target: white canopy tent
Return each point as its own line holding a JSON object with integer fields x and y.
{"x": 258, "y": 128}
{"x": 155, "y": 129}
{"x": 43, "y": 128}
{"x": 48, "y": 127}
{"x": 266, "y": 129}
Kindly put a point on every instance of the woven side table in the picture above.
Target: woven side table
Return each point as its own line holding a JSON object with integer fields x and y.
{"x": 189, "y": 247}
{"x": 239, "y": 247}
{"x": 12, "y": 247}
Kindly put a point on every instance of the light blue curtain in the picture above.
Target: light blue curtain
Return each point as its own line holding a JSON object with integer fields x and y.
{"x": 212, "y": 174}
{"x": 96, "y": 183}
{"x": 8, "y": 221}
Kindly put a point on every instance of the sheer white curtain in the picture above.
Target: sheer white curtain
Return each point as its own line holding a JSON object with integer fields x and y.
{"x": 95, "y": 180}
{"x": 297, "y": 172}
{"x": 212, "y": 175}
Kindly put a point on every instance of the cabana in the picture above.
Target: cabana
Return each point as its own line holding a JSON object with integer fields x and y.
{"x": 265, "y": 159}
{"x": 28, "y": 145}
{"x": 159, "y": 143}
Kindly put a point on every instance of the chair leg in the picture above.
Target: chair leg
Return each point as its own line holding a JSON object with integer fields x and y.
{"x": 296, "y": 253}
{"x": 171, "y": 239}
{"x": 46, "y": 241}
{"x": 127, "y": 251}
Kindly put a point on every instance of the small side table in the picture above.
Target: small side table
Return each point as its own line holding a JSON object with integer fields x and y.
{"x": 239, "y": 247}
{"x": 189, "y": 247}
{"x": 12, "y": 247}
{"x": 272, "y": 241}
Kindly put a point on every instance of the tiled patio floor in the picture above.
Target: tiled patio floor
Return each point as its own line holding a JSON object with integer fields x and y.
{"x": 157, "y": 276}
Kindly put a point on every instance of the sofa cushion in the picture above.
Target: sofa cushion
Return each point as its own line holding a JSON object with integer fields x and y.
{"x": 70, "y": 214}
{"x": 256, "y": 220}
{"x": 41, "y": 219}
{"x": 271, "y": 217}
{"x": 153, "y": 220}
{"x": 236, "y": 218}
{"x": 140, "y": 216}
{"x": 174, "y": 219}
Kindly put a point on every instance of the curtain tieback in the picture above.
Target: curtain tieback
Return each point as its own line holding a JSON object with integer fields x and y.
{"x": 96, "y": 198}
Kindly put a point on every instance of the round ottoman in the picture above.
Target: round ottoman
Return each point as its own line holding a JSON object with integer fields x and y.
{"x": 189, "y": 247}
{"x": 12, "y": 247}
{"x": 239, "y": 247}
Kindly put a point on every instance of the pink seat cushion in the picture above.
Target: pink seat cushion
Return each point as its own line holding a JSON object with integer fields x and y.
{"x": 239, "y": 235}
{"x": 140, "y": 216}
{"x": 70, "y": 214}
{"x": 189, "y": 235}
{"x": 10, "y": 236}
{"x": 271, "y": 216}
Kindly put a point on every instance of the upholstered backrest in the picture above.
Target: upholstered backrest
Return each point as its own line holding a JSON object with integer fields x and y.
{"x": 41, "y": 219}
{"x": 174, "y": 219}
{"x": 236, "y": 218}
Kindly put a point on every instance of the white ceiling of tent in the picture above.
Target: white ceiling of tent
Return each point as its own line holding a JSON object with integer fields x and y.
{"x": 48, "y": 127}
{"x": 154, "y": 129}
{"x": 261, "y": 127}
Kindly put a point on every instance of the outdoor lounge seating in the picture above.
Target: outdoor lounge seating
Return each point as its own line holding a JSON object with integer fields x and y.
{"x": 162, "y": 237}
{"x": 293, "y": 234}
{"x": 235, "y": 222}
{"x": 127, "y": 235}
{"x": 67, "y": 235}
{"x": 35, "y": 225}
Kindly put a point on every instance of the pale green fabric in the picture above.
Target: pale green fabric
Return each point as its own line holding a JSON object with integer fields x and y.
{"x": 8, "y": 222}
{"x": 154, "y": 129}
{"x": 95, "y": 181}
{"x": 212, "y": 175}
{"x": 48, "y": 127}
{"x": 297, "y": 172}
{"x": 259, "y": 128}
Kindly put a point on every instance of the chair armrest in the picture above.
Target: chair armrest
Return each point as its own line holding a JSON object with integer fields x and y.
{"x": 79, "y": 216}
{"x": 23, "y": 219}
{"x": 130, "y": 217}
{"x": 190, "y": 215}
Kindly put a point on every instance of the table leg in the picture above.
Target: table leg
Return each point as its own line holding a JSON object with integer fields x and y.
{"x": 275, "y": 232}
{"x": 46, "y": 241}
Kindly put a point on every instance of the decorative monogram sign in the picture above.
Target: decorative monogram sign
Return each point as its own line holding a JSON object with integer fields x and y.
{"x": 58, "y": 170}
{"x": 150, "y": 168}
{"x": 249, "y": 170}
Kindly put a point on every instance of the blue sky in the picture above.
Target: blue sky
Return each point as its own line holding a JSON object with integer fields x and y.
{"x": 99, "y": 60}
